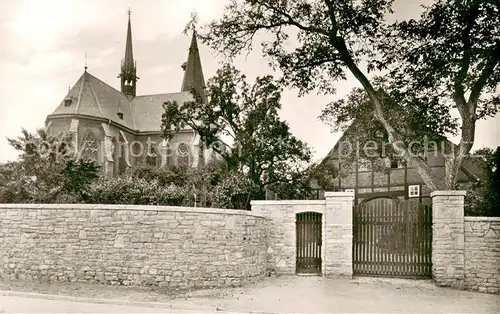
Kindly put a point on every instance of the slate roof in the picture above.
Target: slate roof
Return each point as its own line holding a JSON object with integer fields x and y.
{"x": 148, "y": 109}
{"x": 93, "y": 97}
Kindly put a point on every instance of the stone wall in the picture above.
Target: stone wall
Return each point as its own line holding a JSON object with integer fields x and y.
{"x": 175, "y": 247}
{"x": 465, "y": 250}
{"x": 282, "y": 238}
{"x": 336, "y": 249}
{"x": 448, "y": 238}
{"x": 482, "y": 254}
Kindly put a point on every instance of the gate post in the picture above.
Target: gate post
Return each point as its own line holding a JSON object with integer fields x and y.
{"x": 448, "y": 239}
{"x": 338, "y": 234}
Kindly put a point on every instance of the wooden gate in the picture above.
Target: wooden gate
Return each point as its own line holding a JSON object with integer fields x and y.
{"x": 392, "y": 238}
{"x": 308, "y": 229}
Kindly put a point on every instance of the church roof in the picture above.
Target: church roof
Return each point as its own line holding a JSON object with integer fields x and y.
{"x": 148, "y": 109}
{"x": 92, "y": 97}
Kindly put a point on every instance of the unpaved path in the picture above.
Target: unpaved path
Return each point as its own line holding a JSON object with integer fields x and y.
{"x": 293, "y": 294}
{"x": 296, "y": 294}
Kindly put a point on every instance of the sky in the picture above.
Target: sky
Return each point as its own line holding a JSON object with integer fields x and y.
{"x": 44, "y": 45}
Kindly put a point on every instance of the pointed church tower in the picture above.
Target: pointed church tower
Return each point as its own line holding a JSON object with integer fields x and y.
{"x": 128, "y": 74}
{"x": 193, "y": 73}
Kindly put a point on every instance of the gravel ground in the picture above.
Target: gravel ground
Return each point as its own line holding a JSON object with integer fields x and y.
{"x": 296, "y": 294}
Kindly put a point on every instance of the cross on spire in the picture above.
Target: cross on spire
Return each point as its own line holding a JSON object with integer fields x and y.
{"x": 191, "y": 25}
{"x": 85, "y": 67}
{"x": 129, "y": 12}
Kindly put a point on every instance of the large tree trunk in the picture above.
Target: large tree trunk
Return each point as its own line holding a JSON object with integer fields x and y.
{"x": 466, "y": 109}
{"x": 428, "y": 176}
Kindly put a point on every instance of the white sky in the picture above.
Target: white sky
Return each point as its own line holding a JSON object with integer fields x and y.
{"x": 43, "y": 45}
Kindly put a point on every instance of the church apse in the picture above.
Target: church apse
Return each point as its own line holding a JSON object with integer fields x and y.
{"x": 122, "y": 121}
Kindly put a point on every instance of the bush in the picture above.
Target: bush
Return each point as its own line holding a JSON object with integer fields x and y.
{"x": 128, "y": 189}
{"x": 55, "y": 176}
{"x": 483, "y": 197}
{"x": 211, "y": 186}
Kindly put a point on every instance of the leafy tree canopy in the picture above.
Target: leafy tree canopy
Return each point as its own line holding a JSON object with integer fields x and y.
{"x": 240, "y": 122}
{"x": 483, "y": 197}
{"x": 446, "y": 59}
{"x": 46, "y": 170}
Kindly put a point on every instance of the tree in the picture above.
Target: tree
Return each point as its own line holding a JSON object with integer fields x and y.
{"x": 12, "y": 187}
{"x": 241, "y": 123}
{"x": 418, "y": 128}
{"x": 483, "y": 197}
{"x": 46, "y": 170}
{"x": 305, "y": 182}
{"x": 451, "y": 54}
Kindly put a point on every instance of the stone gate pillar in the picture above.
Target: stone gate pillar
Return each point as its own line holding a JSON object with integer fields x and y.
{"x": 338, "y": 234}
{"x": 448, "y": 240}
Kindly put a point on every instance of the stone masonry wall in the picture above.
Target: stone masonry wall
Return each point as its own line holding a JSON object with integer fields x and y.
{"x": 336, "y": 249}
{"x": 338, "y": 234}
{"x": 482, "y": 254}
{"x": 448, "y": 238}
{"x": 282, "y": 238}
{"x": 173, "y": 247}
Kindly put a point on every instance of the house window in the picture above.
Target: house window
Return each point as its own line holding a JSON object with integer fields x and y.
{"x": 349, "y": 190}
{"x": 414, "y": 191}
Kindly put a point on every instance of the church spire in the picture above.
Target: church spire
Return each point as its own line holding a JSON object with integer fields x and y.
{"x": 129, "y": 54}
{"x": 129, "y": 67}
{"x": 193, "y": 73}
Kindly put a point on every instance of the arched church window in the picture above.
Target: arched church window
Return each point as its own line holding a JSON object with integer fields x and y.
{"x": 114, "y": 154}
{"x": 183, "y": 155}
{"x": 151, "y": 157}
{"x": 90, "y": 148}
{"x": 201, "y": 154}
{"x": 122, "y": 162}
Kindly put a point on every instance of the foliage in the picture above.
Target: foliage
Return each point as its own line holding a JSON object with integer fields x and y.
{"x": 46, "y": 171}
{"x": 431, "y": 65}
{"x": 366, "y": 141}
{"x": 12, "y": 183}
{"x": 450, "y": 52}
{"x": 77, "y": 176}
{"x": 164, "y": 176}
{"x": 127, "y": 189}
{"x": 241, "y": 124}
{"x": 323, "y": 174}
{"x": 483, "y": 197}
{"x": 234, "y": 190}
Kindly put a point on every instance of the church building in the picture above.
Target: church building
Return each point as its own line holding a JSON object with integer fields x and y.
{"x": 120, "y": 129}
